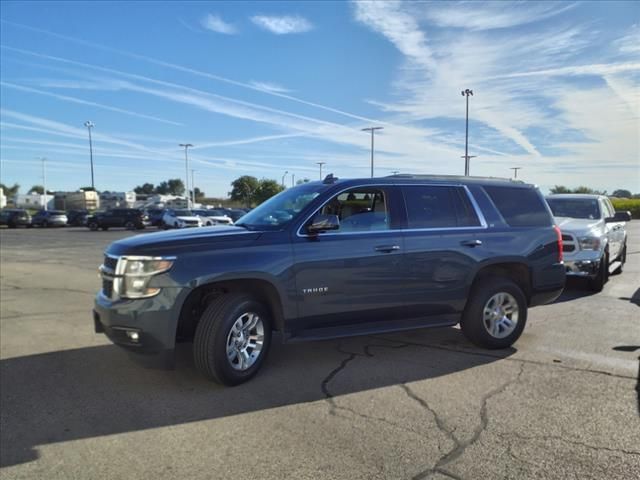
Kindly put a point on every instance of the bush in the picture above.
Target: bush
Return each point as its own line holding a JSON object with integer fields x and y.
{"x": 630, "y": 204}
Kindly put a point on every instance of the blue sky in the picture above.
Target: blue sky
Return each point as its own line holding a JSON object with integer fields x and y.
{"x": 261, "y": 88}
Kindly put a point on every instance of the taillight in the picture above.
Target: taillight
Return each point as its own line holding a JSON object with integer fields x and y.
{"x": 559, "y": 235}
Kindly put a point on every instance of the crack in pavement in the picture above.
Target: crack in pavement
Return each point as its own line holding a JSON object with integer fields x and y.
{"x": 571, "y": 442}
{"x": 462, "y": 446}
{"x": 53, "y": 289}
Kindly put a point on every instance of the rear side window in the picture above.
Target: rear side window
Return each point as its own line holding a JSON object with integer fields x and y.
{"x": 520, "y": 207}
{"x": 438, "y": 207}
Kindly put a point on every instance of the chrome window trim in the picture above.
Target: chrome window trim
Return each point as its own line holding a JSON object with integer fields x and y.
{"x": 483, "y": 223}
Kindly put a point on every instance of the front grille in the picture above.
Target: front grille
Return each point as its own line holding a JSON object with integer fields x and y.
{"x": 110, "y": 262}
{"x": 107, "y": 287}
{"x": 569, "y": 243}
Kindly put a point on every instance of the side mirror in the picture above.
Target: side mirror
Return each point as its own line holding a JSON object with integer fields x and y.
{"x": 619, "y": 217}
{"x": 323, "y": 223}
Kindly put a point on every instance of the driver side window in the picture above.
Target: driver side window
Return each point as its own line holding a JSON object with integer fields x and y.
{"x": 359, "y": 210}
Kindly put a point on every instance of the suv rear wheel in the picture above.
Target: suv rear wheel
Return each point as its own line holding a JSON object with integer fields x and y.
{"x": 495, "y": 314}
{"x": 93, "y": 226}
{"x": 232, "y": 339}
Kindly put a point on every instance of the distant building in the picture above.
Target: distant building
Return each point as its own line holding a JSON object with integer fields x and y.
{"x": 34, "y": 201}
{"x": 80, "y": 200}
{"x": 161, "y": 201}
{"x": 3, "y": 198}
{"x": 117, "y": 200}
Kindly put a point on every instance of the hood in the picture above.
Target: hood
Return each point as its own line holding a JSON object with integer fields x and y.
{"x": 578, "y": 226}
{"x": 176, "y": 242}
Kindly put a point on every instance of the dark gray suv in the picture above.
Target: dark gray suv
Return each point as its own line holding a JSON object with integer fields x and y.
{"x": 331, "y": 259}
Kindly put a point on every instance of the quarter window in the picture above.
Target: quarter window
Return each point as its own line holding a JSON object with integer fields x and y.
{"x": 520, "y": 207}
{"x": 438, "y": 207}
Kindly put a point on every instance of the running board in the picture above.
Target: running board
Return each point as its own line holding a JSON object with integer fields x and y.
{"x": 614, "y": 266}
{"x": 371, "y": 328}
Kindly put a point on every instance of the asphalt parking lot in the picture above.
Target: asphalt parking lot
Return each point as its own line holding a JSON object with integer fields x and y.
{"x": 563, "y": 403}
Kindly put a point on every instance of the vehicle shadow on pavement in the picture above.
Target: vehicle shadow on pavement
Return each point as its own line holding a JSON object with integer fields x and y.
{"x": 574, "y": 289}
{"x": 635, "y": 298}
{"x": 95, "y": 391}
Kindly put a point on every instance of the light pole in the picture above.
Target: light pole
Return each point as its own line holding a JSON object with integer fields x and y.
{"x": 372, "y": 130}
{"x": 466, "y": 93}
{"x": 467, "y": 165}
{"x": 515, "y": 172}
{"x": 193, "y": 187}
{"x": 320, "y": 164}
{"x": 285, "y": 174}
{"x": 186, "y": 169}
{"x": 293, "y": 177}
{"x": 89, "y": 124}
{"x": 44, "y": 181}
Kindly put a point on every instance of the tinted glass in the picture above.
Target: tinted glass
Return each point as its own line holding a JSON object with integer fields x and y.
{"x": 431, "y": 206}
{"x": 574, "y": 207}
{"x": 520, "y": 207}
{"x": 359, "y": 210}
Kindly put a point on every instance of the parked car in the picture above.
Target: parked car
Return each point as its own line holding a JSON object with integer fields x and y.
{"x": 77, "y": 218}
{"x": 235, "y": 213}
{"x": 180, "y": 219}
{"x": 336, "y": 258}
{"x": 211, "y": 217}
{"x": 155, "y": 216}
{"x": 594, "y": 236}
{"x": 129, "y": 218}
{"x": 15, "y": 217}
{"x": 50, "y": 218}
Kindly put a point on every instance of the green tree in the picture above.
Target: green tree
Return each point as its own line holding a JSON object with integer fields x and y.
{"x": 199, "y": 193}
{"x": 162, "y": 188}
{"x": 176, "y": 186}
{"x": 243, "y": 189}
{"x": 39, "y": 189}
{"x": 146, "y": 188}
{"x": 583, "y": 189}
{"x": 266, "y": 190}
{"x": 10, "y": 191}
{"x": 560, "y": 189}
{"x": 621, "y": 193}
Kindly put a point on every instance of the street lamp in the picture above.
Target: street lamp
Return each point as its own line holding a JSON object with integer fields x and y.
{"x": 467, "y": 165}
{"x": 320, "y": 164}
{"x": 44, "y": 181}
{"x": 515, "y": 172}
{"x": 372, "y": 130}
{"x": 285, "y": 174}
{"x": 186, "y": 168}
{"x": 293, "y": 178}
{"x": 89, "y": 124}
{"x": 466, "y": 93}
{"x": 193, "y": 186}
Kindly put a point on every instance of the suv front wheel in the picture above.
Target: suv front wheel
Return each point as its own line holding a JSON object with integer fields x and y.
{"x": 232, "y": 339}
{"x": 495, "y": 314}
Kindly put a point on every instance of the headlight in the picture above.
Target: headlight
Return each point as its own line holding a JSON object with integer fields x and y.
{"x": 589, "y": 243}
{"x": 133, "y": 275}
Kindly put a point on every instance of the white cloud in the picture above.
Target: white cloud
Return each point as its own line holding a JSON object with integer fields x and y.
{"x": 282, "y": 25}
{"x": 268, "y": 87}
{"x": 488, "y": 15}
{"x": 630, "y": 43}
{"x": 216, "y": 24}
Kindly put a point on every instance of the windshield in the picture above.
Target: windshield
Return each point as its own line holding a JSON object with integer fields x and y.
{"x": 183, "y": 213}
{"x": 586, "y": 208}
{"x": 278, "y": 211}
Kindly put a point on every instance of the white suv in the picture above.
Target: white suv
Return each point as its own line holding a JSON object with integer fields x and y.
{"x": 180, "y": 219}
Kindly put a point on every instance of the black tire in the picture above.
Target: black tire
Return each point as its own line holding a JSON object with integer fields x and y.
{"x": 622, "y": 259}
{"x": 130, "y": 226}
{"x": 597, "y": 283}
{"x": 210, "y": 341}
{"x": 473, "y": 325}
{"x": 104, "y": 229}
{"x": 45, "y": 224}
{"x": 93, "y": 226}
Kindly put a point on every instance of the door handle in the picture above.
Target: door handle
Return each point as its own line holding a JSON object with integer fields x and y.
{"x": 387, "y": 248}
{"x": 471, "y": 243}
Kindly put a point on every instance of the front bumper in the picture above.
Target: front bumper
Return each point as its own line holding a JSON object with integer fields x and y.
{"x": 584, "y": 264}
{"x": 145, "y": 328}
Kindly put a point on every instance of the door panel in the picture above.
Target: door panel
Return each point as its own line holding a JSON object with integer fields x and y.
{"x": 348, "y": 278}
